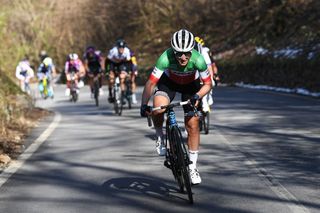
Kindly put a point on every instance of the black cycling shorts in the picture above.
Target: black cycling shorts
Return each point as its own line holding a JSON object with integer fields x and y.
{"x": 167, "y": 87}
{"x": 117, "y": 67}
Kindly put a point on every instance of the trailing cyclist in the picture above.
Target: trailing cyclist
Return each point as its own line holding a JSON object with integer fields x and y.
{"x": 24, "y": 73}
{"x": 46, "y": 71}
{"x": 178, "y": 69}
{"x": 119, "y": 59}
{"x": 93, "y": 66}
{"x": 74, "y": 64}
{"x": 207, "y": 100}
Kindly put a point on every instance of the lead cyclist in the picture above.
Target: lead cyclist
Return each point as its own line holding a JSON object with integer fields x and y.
{"x": 178, "y": 69}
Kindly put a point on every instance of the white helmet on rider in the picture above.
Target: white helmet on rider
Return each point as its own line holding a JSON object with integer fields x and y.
{"x": 182, "y": 41}
{"x": 73, "y": 56}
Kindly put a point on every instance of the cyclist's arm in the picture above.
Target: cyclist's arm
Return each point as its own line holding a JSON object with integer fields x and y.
{"x": 205, "y": 77}
{"x": 54, "y": 71}
{"x": 148, "y": 91}
{"x": 66, "y": 68}
{"x": 86, "y": 65}
{"x": 18, "y": 75}
{"x": 82, "y": 69}
{"x": 30, "y": 72}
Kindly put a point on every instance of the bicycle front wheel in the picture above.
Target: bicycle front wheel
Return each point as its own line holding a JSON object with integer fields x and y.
{"x": 96, "y": 92}
{"x": 182, "y": 161}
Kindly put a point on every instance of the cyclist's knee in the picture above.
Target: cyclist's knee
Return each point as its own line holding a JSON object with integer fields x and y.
{"x": 192, "y": 123}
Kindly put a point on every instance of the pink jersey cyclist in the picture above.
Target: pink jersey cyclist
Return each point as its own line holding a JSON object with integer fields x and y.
{"x": 73, "y": 64}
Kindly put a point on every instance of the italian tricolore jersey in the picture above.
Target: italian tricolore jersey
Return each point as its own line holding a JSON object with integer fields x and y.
{"x": 168, "y": 64}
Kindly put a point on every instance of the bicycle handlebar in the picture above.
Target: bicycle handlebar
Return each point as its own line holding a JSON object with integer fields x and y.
{"x": 171, "y": 105}
{"x": 164, "y": 107}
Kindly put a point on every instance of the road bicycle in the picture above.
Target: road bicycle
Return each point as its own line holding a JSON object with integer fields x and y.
{"x": 73, "y": 88}
{"x": 96, "y": 88}
{"x": 117, "y": 95}
{"x": 26, "y": 87}
{"x": 177, "y": 156}
{"x": 128, "y": 91}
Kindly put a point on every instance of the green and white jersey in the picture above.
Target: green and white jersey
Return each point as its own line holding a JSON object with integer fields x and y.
{"x": 168, "y": 64}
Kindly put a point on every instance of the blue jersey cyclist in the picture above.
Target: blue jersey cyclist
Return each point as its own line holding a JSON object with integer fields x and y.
{"x": 178, "y": 69}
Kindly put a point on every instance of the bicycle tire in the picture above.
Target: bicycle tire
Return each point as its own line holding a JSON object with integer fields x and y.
{"x": 129, "y": 99}
{"x": 116, "y": 102}
{"x": 173, "y": 158}
{"x": 74, "y": 96}
{"x": 129, "y": 93}
{"x": 206, "y": 123}
{"x": 96, "y": 92}
{"x": 182, "y": 162}
{"x": 121, "y": 102}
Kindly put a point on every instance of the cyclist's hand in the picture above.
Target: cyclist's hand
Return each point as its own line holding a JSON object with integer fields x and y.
{"x": 194, "y": 99}
{"x": 145, "y": 110}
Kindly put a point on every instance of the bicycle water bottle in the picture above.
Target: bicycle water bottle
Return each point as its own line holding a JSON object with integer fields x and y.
{"x": 172, "y": 118}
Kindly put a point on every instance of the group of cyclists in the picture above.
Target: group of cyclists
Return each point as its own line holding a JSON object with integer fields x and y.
{"x": 45, "y": 73}
{"x": 186, "y": 67}
{"x": 119, "y": 60}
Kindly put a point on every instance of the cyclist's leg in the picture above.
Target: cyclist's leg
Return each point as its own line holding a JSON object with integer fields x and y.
{"x": 192, "y": 126}
{"x": 111, "y": 80}
{"x": 133, "y": 85}
{"x": 49, "y": 85}
{"x": 22, "y": 84}
{"x": 123, "y": 74}
{"x": 68, "y": 77}
{"x": 163, "y": 96}
{"x": 90, "y": 81}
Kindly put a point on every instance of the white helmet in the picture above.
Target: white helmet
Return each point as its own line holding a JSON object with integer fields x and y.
{"x": 182, "y": 41}
{"x": 73, "y": 56}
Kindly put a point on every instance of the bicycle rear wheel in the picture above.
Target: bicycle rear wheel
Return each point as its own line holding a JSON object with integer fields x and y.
{"x": 182, "y": 162}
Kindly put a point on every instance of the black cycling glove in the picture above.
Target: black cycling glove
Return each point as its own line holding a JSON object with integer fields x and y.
{"x": 194, "y": 99}
{"x": 143, "y": 109}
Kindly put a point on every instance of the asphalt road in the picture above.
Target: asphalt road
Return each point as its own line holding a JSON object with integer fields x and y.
{"x": 262, "y": 155}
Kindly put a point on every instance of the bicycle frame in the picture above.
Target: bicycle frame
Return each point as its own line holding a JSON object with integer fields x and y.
{"x": 177, "y": 158}
{"x": 118, "y": 102}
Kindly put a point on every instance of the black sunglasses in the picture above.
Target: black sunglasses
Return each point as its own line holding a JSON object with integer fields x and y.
{"x": 179, "y": 54}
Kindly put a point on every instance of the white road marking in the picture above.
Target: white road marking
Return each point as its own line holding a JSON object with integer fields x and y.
{"x": 16, "y": 165}
{"x": 292, "y": 202}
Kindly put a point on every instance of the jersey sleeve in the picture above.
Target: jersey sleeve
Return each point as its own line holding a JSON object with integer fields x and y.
{"x": 206, "y": 57}
{"x": 110, "y": 54}
{"x": 203, "y": 69}
{"x": 161, "y": 64}
{"x": 66, "y": 67}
